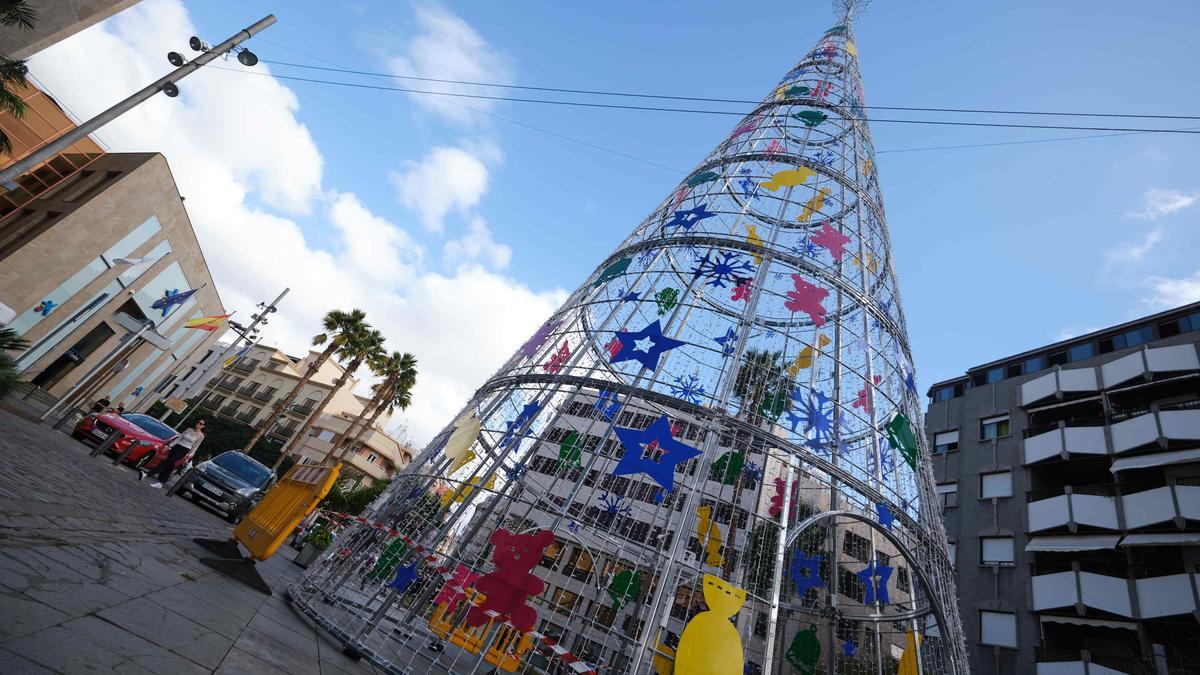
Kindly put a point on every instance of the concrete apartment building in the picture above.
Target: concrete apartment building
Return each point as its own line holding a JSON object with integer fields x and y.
{"x": 57, "y": 20}
{"x": 1070, "y": 480}
{"x": 68, "y": 234}
{"x": 253, "y": 384}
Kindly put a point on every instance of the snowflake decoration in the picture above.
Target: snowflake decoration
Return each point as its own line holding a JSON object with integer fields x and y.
{"x": 688, "y": 217}
{"x": 516, "y": 471}
{"x": 885, "y": 308}
{"x": 887, "y": 460}
{"x": 752, "y": 473}
{"x": 749, "y": 187}
{"x": 806, "y": 248}
{"x": 573, "y": 526}
{"x": 726, "y": 266}
{"x": 824, "y": 158}
{"x": 688, "y": 388}
{"x": 728, "y": 342}
{"x": 816, "y": 413}
{"x": 613, "y": 506}
{"x": 646, "y": 256}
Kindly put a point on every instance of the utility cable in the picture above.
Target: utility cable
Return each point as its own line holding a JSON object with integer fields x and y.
{"x": 592, "y": 92}
{"x": 698, "y": 111}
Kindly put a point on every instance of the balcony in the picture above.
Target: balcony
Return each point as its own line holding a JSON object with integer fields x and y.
{"x": 1129, "y": 430}
{"x": 284, "y": 431}
{"x": 226, "y": 385}
{"x": 1081, "y": 662}
{"x": 265, "y": 395}
{"x": 1065, "y": 441}
{"x": 244, "y": 365}
{"x": 248, "y": 390}
{"x": 1096, "y": 506}
{"x": 301, "y": 411}
{"x": 1168, "y": 595}
{"x": 1144, "y": 363}
{"x": 230, "y": 410}
{"x": 247, "y": 417}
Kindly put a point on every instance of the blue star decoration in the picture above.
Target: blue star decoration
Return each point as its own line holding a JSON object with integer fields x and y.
{"x": 652, "y": 451}
{"x": 526, "y": 415}
{"x": 644, "y": 346}
{"x": 689, "y": 217}
{"x": 728, "y": 342}
{"x": 608, "y": 404}
{"x": 806, "y": 573}
{"x": 875, "y": 578}
{"x": 849, "y": 648}
{"x": 886, "y": 518}
{"x": 516, "y": 471}
{"x": 405, "y": 576}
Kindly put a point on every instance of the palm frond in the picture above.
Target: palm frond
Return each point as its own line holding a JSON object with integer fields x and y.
{"x": 18, "y": 13}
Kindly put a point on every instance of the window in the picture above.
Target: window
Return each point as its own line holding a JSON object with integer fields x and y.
{"x": 1080, "y": 352}
{"x": 993, "y": 427}
{"x": 947, "y": 392}
{"x": 551, "y": 555}
{"x": 579, "y": 565}
{"x": 1033, "y": 364}
{"x": 902, "y": 579}
{"x": 372, "y": 457}
{"x": 998, "y": 628}
{"x": 1057, "y": 358}
{"x": 952, "y": 553}
{"x": 857, "y": 547}
{"x": 850, "y": 585}
{"x": 995, "y": 550}
{"x": 948, "y": 493}
{"x": 64, "y": 328}
{"x": 997, "y": 484}
{"x": 1127, "y": 339}
{"x": 946, "y": 441}
{"x": 564, "y": 601}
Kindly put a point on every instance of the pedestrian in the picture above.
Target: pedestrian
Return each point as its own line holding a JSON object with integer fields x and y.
{"x": 121, "y": 409}
{"x": 100, "y": 406}
{"x": 187, "y": 443}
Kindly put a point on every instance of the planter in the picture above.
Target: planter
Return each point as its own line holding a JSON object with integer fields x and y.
{"x": 307, "y": 555}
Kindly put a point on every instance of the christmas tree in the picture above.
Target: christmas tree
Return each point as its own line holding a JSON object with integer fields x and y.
{"x": 721, "y": 420}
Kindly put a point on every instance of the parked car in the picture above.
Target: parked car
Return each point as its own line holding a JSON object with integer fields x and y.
{"x": 232, "y": 483}
{"x": 151, "y": 438}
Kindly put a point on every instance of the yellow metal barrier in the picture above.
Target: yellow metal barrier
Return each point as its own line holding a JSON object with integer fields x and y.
{"x": 282, "y": 508}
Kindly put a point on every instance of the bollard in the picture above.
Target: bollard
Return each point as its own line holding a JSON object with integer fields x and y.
{"x": 183, "y": 480}
{"x": 112, "y": 437}
{"x": 120, "y": 459}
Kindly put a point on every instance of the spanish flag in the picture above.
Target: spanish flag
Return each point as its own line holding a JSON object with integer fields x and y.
{"x": 208, "y": 323}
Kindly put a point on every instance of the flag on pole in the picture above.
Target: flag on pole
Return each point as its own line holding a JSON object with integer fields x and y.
{"x": 208, "y": 323}
{"x": 171, "y": 298}
{"x": 241, "y": 352}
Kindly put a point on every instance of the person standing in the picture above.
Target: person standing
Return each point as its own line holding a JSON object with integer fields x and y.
{"x": 187, "y": 444}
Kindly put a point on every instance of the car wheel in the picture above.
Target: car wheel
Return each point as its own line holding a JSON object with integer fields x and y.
{"x": 236, "y": 516}
{"x": 140, "y": 465}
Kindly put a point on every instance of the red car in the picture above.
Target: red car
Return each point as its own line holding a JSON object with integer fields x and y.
{"x": 151, "y": 439}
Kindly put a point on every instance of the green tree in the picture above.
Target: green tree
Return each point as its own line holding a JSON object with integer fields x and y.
{"x": 9, "y": 342}
{"x": 359, "y": 345}
{"x": 760, "y": 380}
{"x": 339, "y": 327}
{"x": 399, "y": 373}
{"x": 18, "y": 14}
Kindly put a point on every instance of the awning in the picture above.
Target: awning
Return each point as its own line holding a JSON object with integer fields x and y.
{"x": 1157, "y": 459}
{"x": 1082, "y": 542}
{"x": 1081, "y": 621}
{"x": 1169, "y": 538}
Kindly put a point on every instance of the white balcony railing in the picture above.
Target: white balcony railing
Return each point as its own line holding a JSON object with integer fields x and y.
{"x": 1156, "y": 596}
{"x": 1147, "y": 361}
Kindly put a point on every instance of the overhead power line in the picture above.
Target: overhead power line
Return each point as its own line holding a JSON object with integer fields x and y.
{"x": 697, "y": 111}
{"x": 701, "y": 99}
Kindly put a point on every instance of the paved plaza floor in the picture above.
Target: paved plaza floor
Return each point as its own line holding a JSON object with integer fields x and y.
{"x": 98, "y": 573}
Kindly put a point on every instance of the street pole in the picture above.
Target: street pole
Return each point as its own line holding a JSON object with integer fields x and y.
{"x": 85, "y": 380}
{"x": 260, "y": 317}
{"x": 166, "y": 82}
{"x": 152, "y": 396}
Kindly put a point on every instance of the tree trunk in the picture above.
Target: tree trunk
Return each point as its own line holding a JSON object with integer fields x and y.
{"x": 316, "y": 414}
{"x": 376, "y": 401}
{"x": 287, "y": 400}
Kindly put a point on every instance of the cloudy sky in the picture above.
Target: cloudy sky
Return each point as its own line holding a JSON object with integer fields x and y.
{"x": 459, "y": 225}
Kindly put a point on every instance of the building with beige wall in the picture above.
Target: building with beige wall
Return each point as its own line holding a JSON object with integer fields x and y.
{"x": 57, "y": 20}
{"x": 250, "y": 387}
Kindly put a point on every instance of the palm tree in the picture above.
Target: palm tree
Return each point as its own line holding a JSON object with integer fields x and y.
{"x": 399, "y": 373}
{"x": 339, "y": 327}
{"x": 360, "y": 346}
{"x": 761, "y": 375}
{"x": 10, "y": 342}
{"x": 13, "y": 71}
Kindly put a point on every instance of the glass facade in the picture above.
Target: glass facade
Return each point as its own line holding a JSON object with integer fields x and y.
{"x": 63, "y": 329}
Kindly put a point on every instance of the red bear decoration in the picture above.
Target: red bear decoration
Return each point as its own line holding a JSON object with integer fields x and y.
{"x": 508, "y": 588}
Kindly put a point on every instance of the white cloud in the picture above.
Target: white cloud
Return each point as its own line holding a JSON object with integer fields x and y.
{"x": 444, "y": 180}
{"x": 237, "y": 168}
{"x": 446, "y": 47}
{"x": 1167, "y": 292}
{"x": 477, "y": 244}
{"x": 1136, "y": 252}
{"x": 1158, "y": 203}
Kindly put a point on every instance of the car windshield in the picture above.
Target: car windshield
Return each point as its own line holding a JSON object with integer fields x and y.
{"x": 151, "y": 425}
{"x": 249, "y": 471}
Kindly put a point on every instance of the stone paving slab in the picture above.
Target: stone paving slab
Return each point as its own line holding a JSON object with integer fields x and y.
{"x": 98, "y": 573}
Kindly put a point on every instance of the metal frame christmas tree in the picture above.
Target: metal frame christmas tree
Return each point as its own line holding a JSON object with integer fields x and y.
{"x": 721, "y": 421}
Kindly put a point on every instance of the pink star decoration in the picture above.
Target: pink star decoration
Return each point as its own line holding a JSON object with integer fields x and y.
{"x": 807, "y": 298}
{"x": 863, "y": 401}
{"x": 560, "y": 357}
{"x": 831, "y": 239}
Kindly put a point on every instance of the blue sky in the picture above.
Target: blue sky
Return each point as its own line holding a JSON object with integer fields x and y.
{"x": 998, "y": 248}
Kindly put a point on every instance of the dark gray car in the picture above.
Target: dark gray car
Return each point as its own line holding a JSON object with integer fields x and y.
{"x": 231, "y": 482}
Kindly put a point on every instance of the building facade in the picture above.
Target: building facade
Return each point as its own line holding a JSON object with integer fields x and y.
{"x": 252, "y": 384}
{"x": 1069, "y": 476}
{"x": 57, "y": 20}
